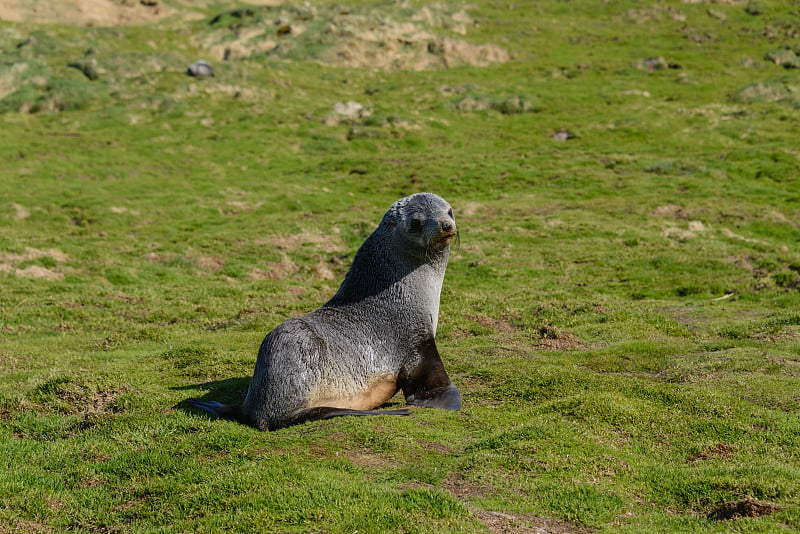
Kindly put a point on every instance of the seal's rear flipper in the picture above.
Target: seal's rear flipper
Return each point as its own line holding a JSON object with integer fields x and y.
{"x": 224, "y": 411}
{"x": 318, "y": 414}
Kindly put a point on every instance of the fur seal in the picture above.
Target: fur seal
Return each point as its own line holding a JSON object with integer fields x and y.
{"x": 376, "y": 336}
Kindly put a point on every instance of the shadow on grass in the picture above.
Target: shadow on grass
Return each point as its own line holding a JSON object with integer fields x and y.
{"x": 228, "y": 391}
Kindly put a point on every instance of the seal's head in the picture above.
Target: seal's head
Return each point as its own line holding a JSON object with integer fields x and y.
{"x": 424, "y": 221}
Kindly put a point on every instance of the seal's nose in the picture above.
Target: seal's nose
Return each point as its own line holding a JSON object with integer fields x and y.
{"x": 446, "y": 226}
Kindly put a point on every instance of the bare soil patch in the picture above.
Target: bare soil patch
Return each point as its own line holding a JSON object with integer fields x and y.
{"x": 434, "y": 446}
{"x": 37, "y": 271}
{"x": 34, "y": 253}
{"x": 367, "y": 459}
{"x": 552, "y": 338}
{"x": 276, "y": 270}
{"x": 720, "y": 450}
{"x": 387, "y": 37}
{"x": 671, "y": 211}
{"x": 500, "y": 522}
{"x": 17, "y": 526}
{"x": 76, "y": 396}
{"x": 747, "y": 507}
{"x": 465, "y": 489}
{"x": 11, "y": 264}
{"x": 21, "y": 212}
{"x": 289, "y": 243}
{"x": 206, "y": 262}
{"x": 84, "y": 12}
{"x": 498, "y": 325}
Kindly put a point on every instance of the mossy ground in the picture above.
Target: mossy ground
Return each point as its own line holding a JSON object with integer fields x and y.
{"x": 622, "y": 314}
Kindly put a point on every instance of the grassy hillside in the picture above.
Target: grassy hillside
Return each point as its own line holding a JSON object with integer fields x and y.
{"x": 622, "y": 314}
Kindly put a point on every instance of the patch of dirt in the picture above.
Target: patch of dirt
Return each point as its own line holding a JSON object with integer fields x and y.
{"x": 127, "y": 505}
{"x": 763, "y": 92}
{"x": 503, "y": 523}
{"x": 236, "y": 207}
{"x": 160, "y": 257}
{"x": 84, "y": 12}
{"x": 498, "y": 325}
{"x": 434, "y": 446}
{"x": 9, "y": 263}
{"x": 720, "y": 450}
{"x": 18, "y": 526}
{"x": 728, "y": 233}
{"x": 297, "y": 291}
{"x": 75, "y": 396}
{"x": 37, "y": 271}
{"x": 744, "y": 261}
{"x": 276, "y": 270}
{"x": 388, "y": 36}
{"x": 671, "y": 211}
{"x": 787, "y": 333}
{"x": 21, "y": 212}
{"x": 781, "y": 218}
{"x": 322, "y": 271}
{"x": 552, "y": 338}
{"x": 119, "y": 210}
{"x": 465, "y": 489}
{"x": 206, "y": 262}
{"x": 289, "y": 243}
{"x": 654, "y": 14}
{"x": 747, "y": 507}
{"x": 367, "y": 459}
{"x": 695, "y": 227}
{"x": 477, "y": 212}
{"x": 33, "y": 254}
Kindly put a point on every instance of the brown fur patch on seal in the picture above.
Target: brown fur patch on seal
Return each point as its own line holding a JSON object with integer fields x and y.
{"x": 379, "y": 390}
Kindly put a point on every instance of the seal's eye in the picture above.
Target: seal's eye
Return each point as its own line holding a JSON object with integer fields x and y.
{"x": 415, "y": 226}
{"x": 450, "y": 212}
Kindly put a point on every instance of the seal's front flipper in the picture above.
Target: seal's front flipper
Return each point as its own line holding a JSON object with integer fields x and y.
{"x": 448, "y": 398}
{"x": 427, "y": 383}
{"x": 324, "y": 412}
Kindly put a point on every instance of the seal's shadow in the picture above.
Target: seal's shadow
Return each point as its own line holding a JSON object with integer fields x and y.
{"x": 228, "y": 391}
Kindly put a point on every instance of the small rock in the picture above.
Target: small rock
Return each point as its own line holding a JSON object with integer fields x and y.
{"x": 350, "y": 111}
{"x": 200, "y": 68}
{"x": 562, "y": 135}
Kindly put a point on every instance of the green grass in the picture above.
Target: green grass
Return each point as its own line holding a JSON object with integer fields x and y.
{"x": 621, "y": 314}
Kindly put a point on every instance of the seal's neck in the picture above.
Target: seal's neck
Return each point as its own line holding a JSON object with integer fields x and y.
{"x": 382, "y": 272}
